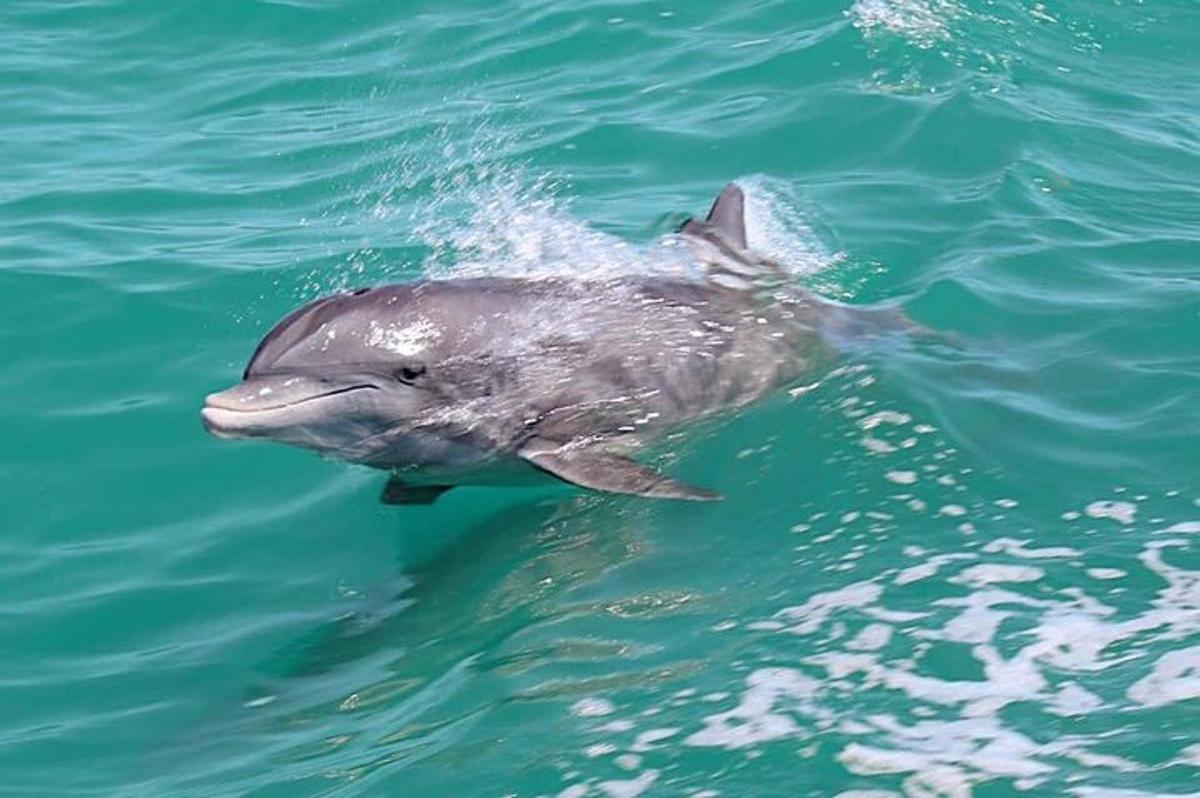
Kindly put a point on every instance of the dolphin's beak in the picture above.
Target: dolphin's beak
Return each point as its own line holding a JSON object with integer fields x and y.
{"x": 264, "y": 405}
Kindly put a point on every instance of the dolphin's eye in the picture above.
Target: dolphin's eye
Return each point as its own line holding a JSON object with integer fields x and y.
{"x": 410, "y": 374}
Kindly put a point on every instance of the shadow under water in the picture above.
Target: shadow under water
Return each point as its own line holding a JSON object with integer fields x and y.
{"x": 405, "y": 653}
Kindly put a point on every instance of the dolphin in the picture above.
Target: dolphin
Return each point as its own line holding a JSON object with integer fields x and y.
{"x": 505, "y": 381}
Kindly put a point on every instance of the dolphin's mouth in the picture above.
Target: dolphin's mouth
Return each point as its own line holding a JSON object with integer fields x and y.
{"x": 237, "y": 402}
{"x": 235, "y": 414}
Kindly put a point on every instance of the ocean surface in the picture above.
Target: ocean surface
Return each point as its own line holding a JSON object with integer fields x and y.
{"x": 966, "y": 566}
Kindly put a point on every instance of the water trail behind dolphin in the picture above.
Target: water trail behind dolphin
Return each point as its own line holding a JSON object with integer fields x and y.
{"x": 504, "y": 221}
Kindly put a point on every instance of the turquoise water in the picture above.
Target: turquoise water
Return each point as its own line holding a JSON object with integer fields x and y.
{"x": 960, "y": 569}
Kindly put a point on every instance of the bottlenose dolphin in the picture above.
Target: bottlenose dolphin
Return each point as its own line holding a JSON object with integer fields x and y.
{"x": 502, "y": 381}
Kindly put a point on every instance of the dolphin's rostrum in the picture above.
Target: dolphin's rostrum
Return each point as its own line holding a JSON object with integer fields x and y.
{"x": 499, "y": 380}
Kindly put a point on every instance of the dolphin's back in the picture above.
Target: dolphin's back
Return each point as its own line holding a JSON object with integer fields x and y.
{"x": 606, "y": 358}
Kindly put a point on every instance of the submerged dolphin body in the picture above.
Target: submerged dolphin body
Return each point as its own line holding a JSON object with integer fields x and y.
{"x": 501, "y": 380}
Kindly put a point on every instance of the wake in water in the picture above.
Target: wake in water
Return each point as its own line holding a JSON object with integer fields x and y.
{"x": 1047, "y": 645}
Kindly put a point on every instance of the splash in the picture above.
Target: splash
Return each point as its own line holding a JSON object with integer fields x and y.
{"x": 924, "y": 23}
{"x": 465, "y": 203}
{"x": 476, "y": 210}
{"x": 501, "y": 220}
{"x": 781, "y": 227}
{"x": 518, "y": 225}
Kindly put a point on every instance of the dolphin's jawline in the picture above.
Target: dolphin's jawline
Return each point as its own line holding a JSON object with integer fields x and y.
{"x": 229, "y": 422}
{"x": 287, "y": 405}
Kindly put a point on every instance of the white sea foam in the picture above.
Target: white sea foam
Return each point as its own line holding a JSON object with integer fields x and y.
{"x": 930, "y": 567}
{"x": 647, "y": 739}
{"x": 989, "y": 573}
{"x": 629, "y": 788}
{"x": 884, "y": 417}
{"x": 1175, "y": 677}
{"x": 877, "y": 446}
{"x": 1121, "y": 512}
{"x": 592, "y": 707}
{"x": 1072, "y": 700}
{"x": 1020, "y": 548}
{"x": 756, "y": 718}
{"x": 1073, "y": 633}
{"x": 872, "y": 638}
{"x": 809, "y": 616}
{"x": 921, "y": 22}
{"x": 948, "y": 755}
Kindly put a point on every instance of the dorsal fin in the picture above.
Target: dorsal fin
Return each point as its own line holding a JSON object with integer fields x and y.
{"x": 719, "y": 244}
{"x": 728, "y": 215}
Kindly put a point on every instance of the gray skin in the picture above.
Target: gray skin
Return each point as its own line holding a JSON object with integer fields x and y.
{"x": 503, "y": 381}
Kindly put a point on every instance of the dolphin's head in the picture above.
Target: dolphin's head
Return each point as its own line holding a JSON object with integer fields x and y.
{"x": 371, "y": 376}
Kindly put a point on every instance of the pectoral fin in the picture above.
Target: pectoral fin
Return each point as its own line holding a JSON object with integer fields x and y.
{"x": 590, "y": 467}
{"x": 397, "y": 491}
